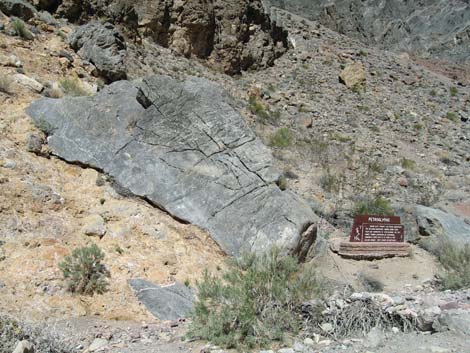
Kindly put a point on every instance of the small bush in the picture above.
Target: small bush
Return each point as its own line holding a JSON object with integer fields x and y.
{"x": 282, "y": 183}
{"x": 281, "y": 138}
{"x": 20, "y": 29}
{"x": 433, "y": 93}
{"x": 452, "y": 116}
{"x": 453, "y": 91}
{"x": 376, "y": 166}
{"x": 331, "y": 182}
{"x": 456, "y": 261}
{"x": 72, "y": 87}
{"x": 257, "y": 301}
{"x": 5, "y": 84}
{"x": 418, "y": 126}
{"x": 340, "y": 137}
{"x": 408, "y": 164}
{"x": 374, "y": 206}
{"x": 44, "y": 126}
{"x": 84, "y": 271}
{"x": 257, "y": 108}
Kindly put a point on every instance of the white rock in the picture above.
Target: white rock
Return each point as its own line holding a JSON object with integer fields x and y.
{"x": 286, "y": 350}
{"x": 436, "y": 349}
{"x": 94, "y": 225}
{"x": 10, "y": 60}
{"x": 308, "y": 341}
{"x": 395, "y": 330}
{"x": 326, "y": 327}
{"x": 97, "y": 344}
{"x": 28, "y": 82}
{"x": 24, "y": 347}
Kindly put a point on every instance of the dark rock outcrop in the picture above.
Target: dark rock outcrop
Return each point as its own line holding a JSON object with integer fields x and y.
{"x": 233, "y": 35}
{"x": 18, "y": 8}
{"x": 438, "y": 28}
{"x": 170, "y": 302}
{"x": 183, "y": 147}
{"x": 103, "y": 46}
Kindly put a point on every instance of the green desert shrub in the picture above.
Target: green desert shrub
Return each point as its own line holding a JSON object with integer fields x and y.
{"x": 456, "y": 261}
{"x": 84, "y": 271}
{"x": 408, "y": 164}
{"x": 20, "y": 29}
{"x": 72, "y": 87}
{"x": 453, "y": 91}
{"x": 331, "y": 182}
{"x": 373, "y": 206}
{"x": 259, "y": 109}
{"x": 256, "y": 302}
{"x": 452, "y": 116}
{"x": 281, "y": 138}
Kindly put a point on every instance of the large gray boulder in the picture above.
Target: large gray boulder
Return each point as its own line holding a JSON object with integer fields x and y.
{"x": 18, "y": 8}
{"x": 103, "y": 46}
{"x": 170, "y": 302}
{"x": 182, "y": 147}
{"x": 435, "y": 226}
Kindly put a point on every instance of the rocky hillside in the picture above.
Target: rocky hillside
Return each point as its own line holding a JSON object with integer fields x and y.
{"x": 171, "y": 134}
{"x": 429, "y": 28}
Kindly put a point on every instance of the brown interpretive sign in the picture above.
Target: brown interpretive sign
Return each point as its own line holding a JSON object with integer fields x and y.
{"x": 377, "y": 229}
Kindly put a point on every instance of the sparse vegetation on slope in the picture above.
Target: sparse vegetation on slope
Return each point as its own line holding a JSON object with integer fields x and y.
{"x": 12, "y": 331}
{"x": 375, "y": 206}
{"x": 281, "y": 138}
{"x": 72, "y": 87}
{"x": 257, "y": 301}
{"x": 20, "y": 29}
{"x": 84, "y": 271}
{"x": 456, "y": 261}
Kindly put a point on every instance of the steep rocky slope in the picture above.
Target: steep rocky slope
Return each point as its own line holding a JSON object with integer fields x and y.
{"x": 429, "y": 28}
{"x": 232, "y": 35}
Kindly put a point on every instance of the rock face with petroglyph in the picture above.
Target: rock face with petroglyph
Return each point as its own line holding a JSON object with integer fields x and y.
{"x": 181, "y": 146}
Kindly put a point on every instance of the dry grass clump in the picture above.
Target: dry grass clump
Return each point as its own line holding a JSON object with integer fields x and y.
{"x": 360, "y": 317}
{"x": 456, "y": 261}
{"x": 72, "y": 87}
{"x": 12, "y": 331}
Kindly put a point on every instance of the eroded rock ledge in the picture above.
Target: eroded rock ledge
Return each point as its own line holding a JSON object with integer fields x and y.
{"x": 232, "y": 35}
{"x": 183, "y": 147}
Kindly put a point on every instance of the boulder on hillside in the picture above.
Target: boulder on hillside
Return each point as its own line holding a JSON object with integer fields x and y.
{"x": 354, "y": 76}
{"x": 182, "y": 147}
{"x": 103, "y": 46}
{"x": 171, "y": 302}
{"x": 18, "y": 8}
{"x": 436, "y": 226}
